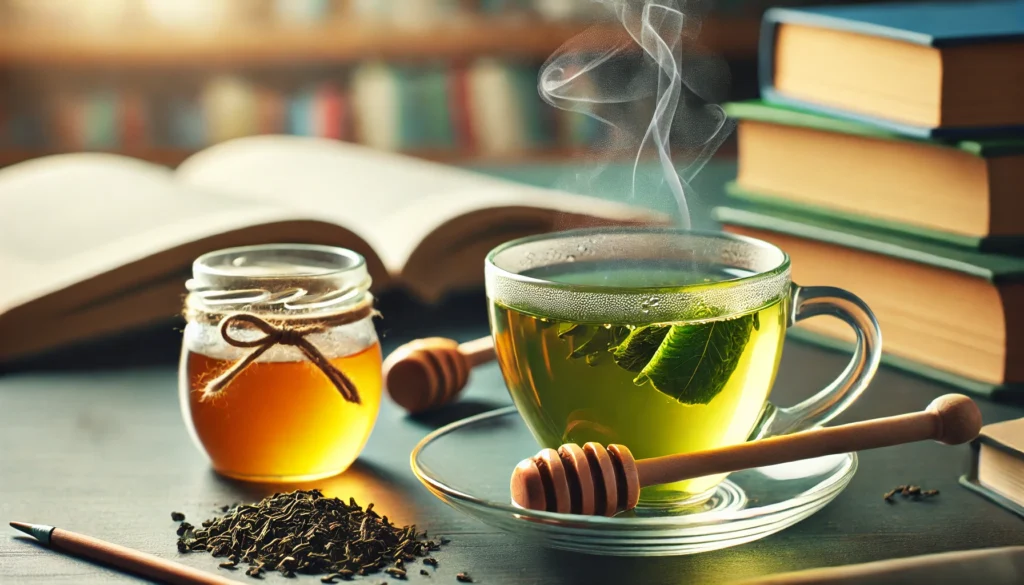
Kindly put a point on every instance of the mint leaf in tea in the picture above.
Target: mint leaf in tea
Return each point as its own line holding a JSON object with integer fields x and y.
{"x": 694, "y": 362}
{"x": 639, "y": 347}
{"x": 696, "y": 382}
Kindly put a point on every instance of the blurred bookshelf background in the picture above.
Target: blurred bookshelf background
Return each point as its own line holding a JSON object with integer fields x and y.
{"x": 448, "y": 80}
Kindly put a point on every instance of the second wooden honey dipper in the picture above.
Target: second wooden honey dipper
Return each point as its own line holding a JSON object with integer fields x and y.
{"x": 427, "y": 373}
{"x": 595, "y": 480}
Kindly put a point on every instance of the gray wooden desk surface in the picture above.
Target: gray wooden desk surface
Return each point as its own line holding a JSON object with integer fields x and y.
{"x": 106, "y": 453}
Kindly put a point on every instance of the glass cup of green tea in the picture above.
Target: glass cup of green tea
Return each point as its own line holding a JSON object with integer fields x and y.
{"x": 663, "y": 340}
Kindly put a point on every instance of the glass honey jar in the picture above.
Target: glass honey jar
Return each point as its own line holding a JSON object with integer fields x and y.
{"x": 280, "y": 374}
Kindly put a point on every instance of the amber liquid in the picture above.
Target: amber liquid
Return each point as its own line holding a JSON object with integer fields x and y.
{"x": 283, "y": 421}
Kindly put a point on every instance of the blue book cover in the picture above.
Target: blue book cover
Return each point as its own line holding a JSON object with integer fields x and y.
{"x": 302, "y": 112}
{"x": 411, "y": 114}
{"x": 933, "y": 24}
{"x": 187, "y": 128}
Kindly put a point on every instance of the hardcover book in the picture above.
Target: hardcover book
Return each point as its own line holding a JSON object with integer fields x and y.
{"x": 997, "y": 465}
{"x": 98, "y": 244}
{"x": 923, "y": 69}
{"x": 953, "y": 315}
{"x": 964, "y": 192}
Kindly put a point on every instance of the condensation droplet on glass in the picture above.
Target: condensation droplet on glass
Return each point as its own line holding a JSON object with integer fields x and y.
{"x": 645, "y": 306}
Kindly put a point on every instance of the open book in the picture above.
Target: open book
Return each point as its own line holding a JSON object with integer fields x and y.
{"x": 96, "y": 244}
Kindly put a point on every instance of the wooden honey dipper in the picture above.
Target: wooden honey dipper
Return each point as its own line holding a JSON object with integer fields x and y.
{"x": 598, "y": 481}
{"x": 427, "y": 373}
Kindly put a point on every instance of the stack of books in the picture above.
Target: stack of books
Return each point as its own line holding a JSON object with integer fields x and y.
{"x": 887, "y": 157}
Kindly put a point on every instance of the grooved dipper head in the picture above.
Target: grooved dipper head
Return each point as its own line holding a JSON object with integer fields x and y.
{"x": 591, "y": 480}
{"x": 425, "y": 374}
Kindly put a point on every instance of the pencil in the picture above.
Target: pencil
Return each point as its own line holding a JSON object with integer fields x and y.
{"x": 121, "y": 557}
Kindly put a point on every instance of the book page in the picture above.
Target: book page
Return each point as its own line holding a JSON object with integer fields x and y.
{"x": 406, "y": 230}
{"x": 68, "y": 218}
{"x": 392, "y": 201}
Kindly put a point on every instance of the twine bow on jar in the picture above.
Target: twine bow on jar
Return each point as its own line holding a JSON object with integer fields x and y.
{"x": 292, "y": 334}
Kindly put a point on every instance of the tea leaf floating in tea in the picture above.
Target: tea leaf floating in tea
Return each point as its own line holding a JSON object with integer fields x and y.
{"x": 568, "y": 329}
{"x": 690, "y": 362}
{"x": 596, "y": 348}
{"x": 639, "y": 347}
{"x": 305, "y": 532}
{"x": 694, "y": 361}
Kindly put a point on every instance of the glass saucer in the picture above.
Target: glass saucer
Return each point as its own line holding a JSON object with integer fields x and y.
{"x": 467, "y": 464}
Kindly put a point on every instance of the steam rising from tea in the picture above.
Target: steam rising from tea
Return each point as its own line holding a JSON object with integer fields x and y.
{"x": 650, "y": 73}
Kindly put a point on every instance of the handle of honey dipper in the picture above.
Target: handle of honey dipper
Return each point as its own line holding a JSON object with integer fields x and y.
{"x": 950, "y": 419}
{"x": 477, "y": 351}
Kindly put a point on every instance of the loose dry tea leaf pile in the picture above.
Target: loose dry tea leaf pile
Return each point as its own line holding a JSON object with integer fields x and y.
{"x": 909, "y": 491}
{"x": 305, "y": 532}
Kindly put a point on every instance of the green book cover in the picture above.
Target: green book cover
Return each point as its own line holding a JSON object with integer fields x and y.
{"x": 1012, "y": 392}
{"x": 970, "y": 479}
{"x": 101, "y": 109}
{"x": 760, "y": 111}
{"x": 741, "y": 197}
{"x": 993, "y": 267}
{"x": 997, "y": 268}
{"x": 435, "y": 111}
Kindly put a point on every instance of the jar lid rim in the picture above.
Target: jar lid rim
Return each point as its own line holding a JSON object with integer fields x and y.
{"x": 207, "y": 265}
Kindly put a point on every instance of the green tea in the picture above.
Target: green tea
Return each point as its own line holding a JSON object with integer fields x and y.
{"x": 698, "y": 382}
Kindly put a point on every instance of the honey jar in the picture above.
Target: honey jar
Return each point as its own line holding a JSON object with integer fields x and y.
{"x": 280, "y": 375}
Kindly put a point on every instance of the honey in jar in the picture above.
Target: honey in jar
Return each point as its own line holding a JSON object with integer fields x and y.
{"x": 281, "y": 366}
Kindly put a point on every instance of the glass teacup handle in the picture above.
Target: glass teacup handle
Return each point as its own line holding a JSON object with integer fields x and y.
{"x": 813, "y": 301}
